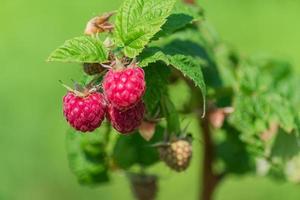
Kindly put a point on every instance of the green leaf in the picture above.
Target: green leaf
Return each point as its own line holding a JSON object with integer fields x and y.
{"x": 148, "y": 155}
{"x": 285, "y": 146}
{"x": 124, "y": 153}
{"x": 133, "y": 149}
{"x": 227, "y": 59}
{"x": 172, "y": 116}
{"x": 232, "y": 151}
{"x": 190, "y": 10}
{"x": 250, "y": 113}
{"x": 181, "y": 15}
{"x": 283, "y": 112}
{"x": 87, "y": 156}
{"x": 264, "y": 102}
{"x": 137, "y": 22}
{"x": 156, "y": 81}
{"x": 189, "y": 66}
{"x": 83, "y": 49}
{"x": 152, "y": 55}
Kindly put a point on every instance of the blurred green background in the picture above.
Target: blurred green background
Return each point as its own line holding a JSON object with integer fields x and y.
{"x": 33, "y": 163}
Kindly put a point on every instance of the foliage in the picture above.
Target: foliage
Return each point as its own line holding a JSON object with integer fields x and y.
{"x": 138, "y": 150}
{"x": 88, "y": 157}
{"x": 81, "y": 49}
{"x": 138, "y": 21}
{"x": 156, "y": 76}
{"x": 169, "y": 42}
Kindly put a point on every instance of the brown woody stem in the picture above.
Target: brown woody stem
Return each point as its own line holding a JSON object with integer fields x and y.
{"x": 209, "y": 179}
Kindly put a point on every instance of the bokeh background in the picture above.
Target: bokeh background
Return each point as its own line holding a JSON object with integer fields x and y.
{"x": 33, "y": 162}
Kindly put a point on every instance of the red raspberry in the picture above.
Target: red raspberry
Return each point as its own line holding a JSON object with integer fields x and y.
{"x": 124, "y": 88}
{"x": 84, "y": 113}
{"x": 126, "y": 121}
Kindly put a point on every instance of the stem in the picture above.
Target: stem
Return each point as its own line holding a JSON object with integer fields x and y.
{"x": 107, "y": 133}
{"x": 209, "y": 179}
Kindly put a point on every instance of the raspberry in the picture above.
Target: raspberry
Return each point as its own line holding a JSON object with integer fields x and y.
{"x": 84, "y": 113}
{"x": 177, "y": 154}
{"x": 144, "y": 187}
{"x": 126, "y": 121}
{"x": 92, "y": 68}
{"x": 124, "y": 88}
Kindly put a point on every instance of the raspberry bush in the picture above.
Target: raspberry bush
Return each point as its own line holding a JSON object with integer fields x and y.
{"x": 133, "y": 62}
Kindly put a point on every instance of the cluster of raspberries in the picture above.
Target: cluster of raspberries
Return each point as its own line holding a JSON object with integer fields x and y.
{"x": 121, "y": 102}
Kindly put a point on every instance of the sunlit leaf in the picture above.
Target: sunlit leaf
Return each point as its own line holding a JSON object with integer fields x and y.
{"x": 83, "y": 49}
{"x": 137, "y": 22}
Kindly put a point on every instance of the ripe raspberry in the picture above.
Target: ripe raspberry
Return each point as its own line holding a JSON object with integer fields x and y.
{"x": 144, "y": 187}
{"x": 84, "y": 113}
{"x": 177, "y": 154}
{"x": 92, "y": 68}
{"x": 126, "y": 121}
{"x": 124, "y": 88}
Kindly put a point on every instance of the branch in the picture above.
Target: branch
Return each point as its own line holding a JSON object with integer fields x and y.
{"x": 208, "y": 178}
